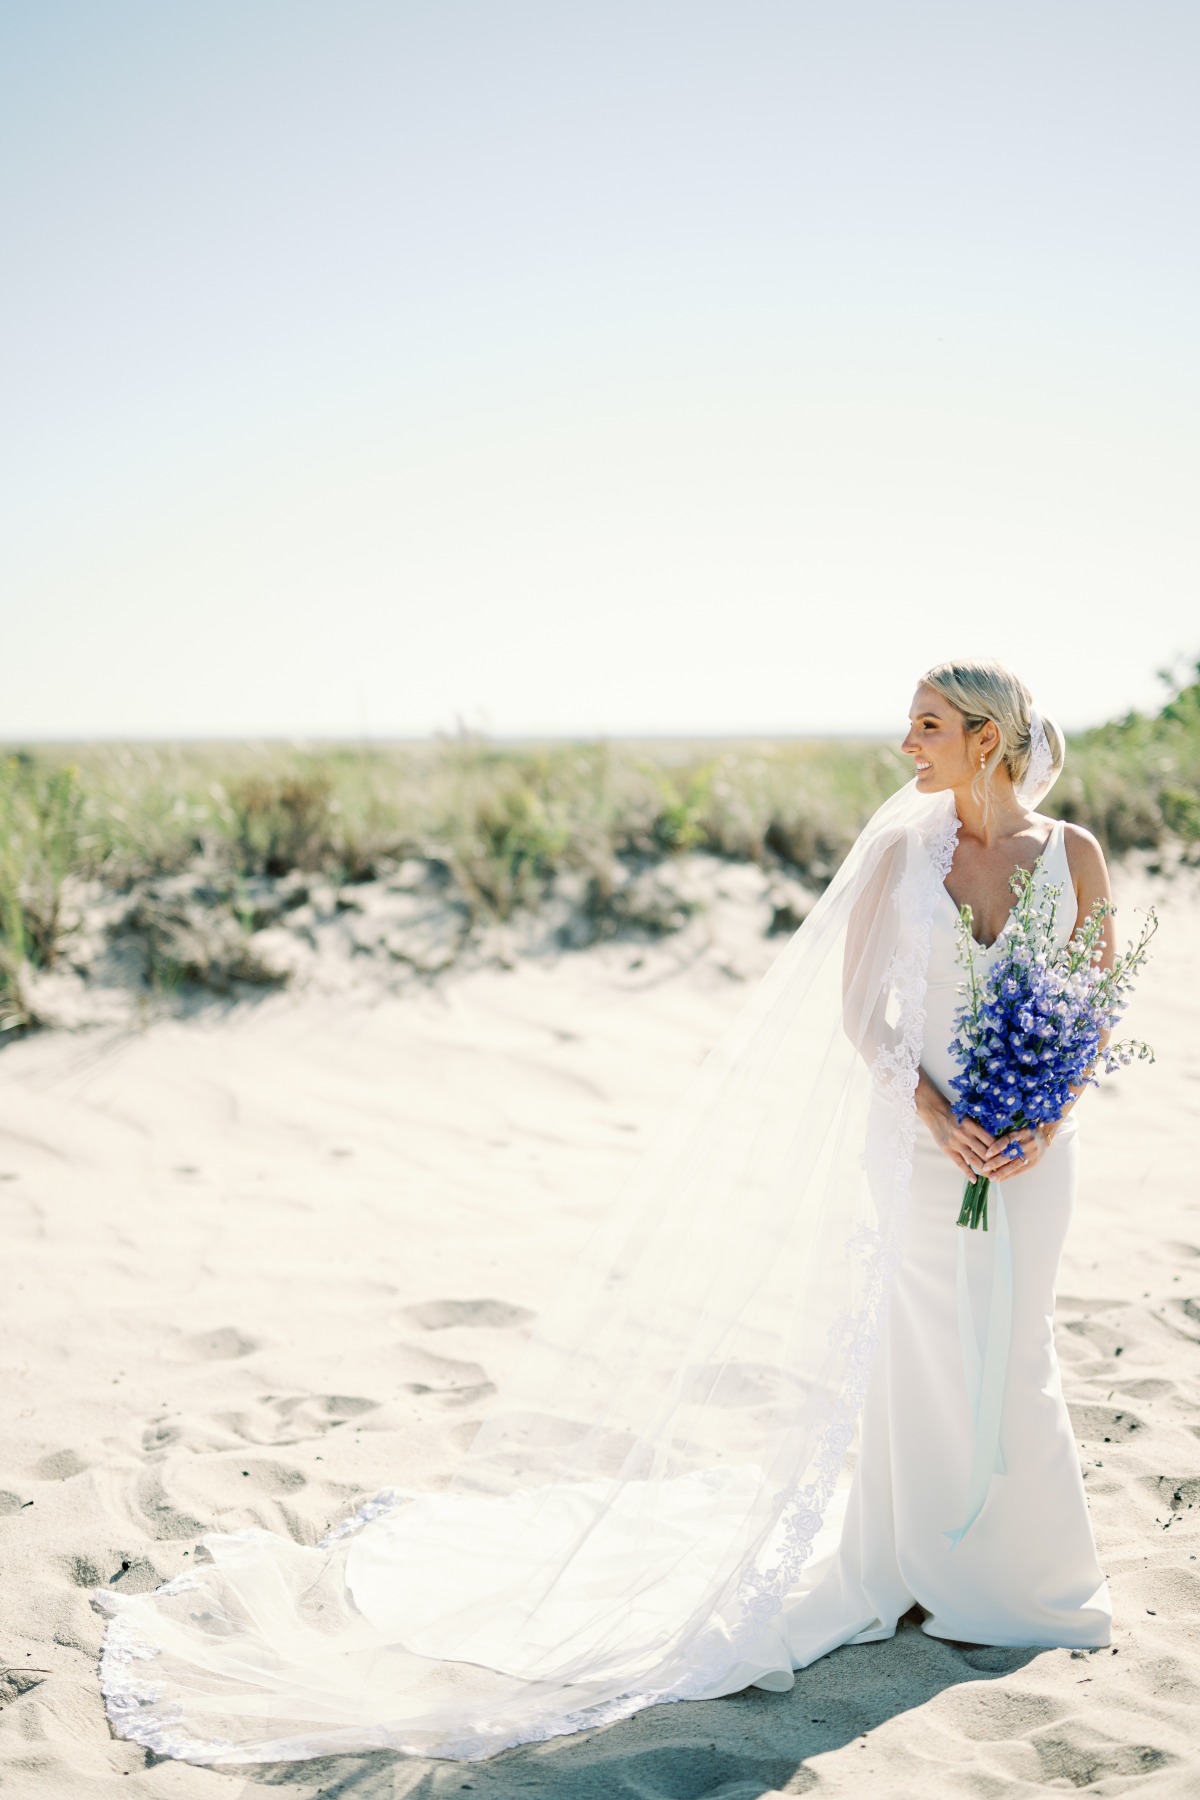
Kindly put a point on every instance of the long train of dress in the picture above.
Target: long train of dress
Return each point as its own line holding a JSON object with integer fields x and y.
{"x": 639, "y": 1521}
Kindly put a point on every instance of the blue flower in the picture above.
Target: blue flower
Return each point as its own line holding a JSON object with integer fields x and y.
{"x": 1028, "y": 1031}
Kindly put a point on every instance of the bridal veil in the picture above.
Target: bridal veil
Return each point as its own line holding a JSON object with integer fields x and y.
{"x": 647, "y": 1488}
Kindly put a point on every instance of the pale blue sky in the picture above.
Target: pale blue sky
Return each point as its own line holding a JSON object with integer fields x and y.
{"x": 668, "y": 366}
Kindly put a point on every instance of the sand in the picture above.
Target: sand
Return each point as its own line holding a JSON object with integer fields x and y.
{"x": 264, "y": 1261}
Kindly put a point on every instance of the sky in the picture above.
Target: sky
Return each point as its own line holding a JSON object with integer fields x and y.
{"x": 372, "y": 367}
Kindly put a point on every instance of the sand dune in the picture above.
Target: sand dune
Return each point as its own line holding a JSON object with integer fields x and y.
{"x": 264, "y": 1262}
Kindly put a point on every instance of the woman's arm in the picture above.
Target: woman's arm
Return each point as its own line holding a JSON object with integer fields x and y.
{"x": 864, "y": 1016}
{"x": 1089, "y": 871}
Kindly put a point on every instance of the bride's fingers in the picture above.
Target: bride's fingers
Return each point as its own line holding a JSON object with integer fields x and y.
{"x": 999, "y": 1158}
{"x": 975, "y": 1136}
{"x": 1004, "y": 1161}
{"x": 952, "y": 1145}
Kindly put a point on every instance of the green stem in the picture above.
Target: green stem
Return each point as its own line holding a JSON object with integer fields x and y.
{"x": 973, "y": 1214}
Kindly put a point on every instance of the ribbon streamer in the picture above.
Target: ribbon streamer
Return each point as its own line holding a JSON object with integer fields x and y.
{"x": 985, "y": 1374}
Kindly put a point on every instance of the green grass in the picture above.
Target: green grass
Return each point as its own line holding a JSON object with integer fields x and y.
{"x": 1136, "y": 782}
{"x": 503, "y": 819}
{"x": 41, "y": 843}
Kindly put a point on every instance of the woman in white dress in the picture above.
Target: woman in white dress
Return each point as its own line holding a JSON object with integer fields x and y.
{"x": 1025, "y": 1572}
{"x": 663, "y": 1503}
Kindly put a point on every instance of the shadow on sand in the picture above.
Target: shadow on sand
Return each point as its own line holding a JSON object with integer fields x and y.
{"x": 732, "y": 1749}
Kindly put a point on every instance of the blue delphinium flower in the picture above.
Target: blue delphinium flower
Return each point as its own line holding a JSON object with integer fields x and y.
{"x": 1028, "y": 1034}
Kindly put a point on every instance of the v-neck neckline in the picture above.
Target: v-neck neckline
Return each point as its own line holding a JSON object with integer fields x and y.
{"x": 1044, "y": 851}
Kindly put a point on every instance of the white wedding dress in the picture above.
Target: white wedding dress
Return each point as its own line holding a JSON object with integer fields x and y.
{"x": 1025, "y": 1572}
{"x": 652, "y": 1509}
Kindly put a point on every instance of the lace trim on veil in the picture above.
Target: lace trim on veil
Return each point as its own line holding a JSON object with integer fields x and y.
{"x": 136, "y": 1705}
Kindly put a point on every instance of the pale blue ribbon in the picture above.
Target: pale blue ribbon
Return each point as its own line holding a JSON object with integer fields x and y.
{"x": 985, "y": 1373}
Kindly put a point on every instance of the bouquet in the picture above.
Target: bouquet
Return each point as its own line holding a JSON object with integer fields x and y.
{"x": 1028, "y": 1032}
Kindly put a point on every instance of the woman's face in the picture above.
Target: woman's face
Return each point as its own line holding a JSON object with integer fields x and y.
{"x": 937, "y": 741}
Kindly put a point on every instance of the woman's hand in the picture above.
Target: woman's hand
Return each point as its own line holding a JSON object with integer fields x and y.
{"x": 1002, "y": 1165}
{"x": 964, "y": 1141}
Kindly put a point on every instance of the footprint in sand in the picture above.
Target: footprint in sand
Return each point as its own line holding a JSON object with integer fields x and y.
{"x": 82, "y": 1571}
{"x": 987, "y": 1714}
{"x": 160, "y": 1435}
{"x": 1088, "y": 1756}
{"x": 1095, "y": 1345}
{"x": 1177, "y": 1494}
{"x": 1071, "y": 1303}
{"x": 164, "y": 1519}
{"x": 1171, "y": 1677}
{"x": 60, "y": 1465}
{"x": 457, "y": 1383}
{"x": 136, "y": 1575}
{"x": 1150, "y": 1387}
{"x": 495, "y": 1315}
{"x": 454, "y": 1395}
{"x": 294, "y": 1418}
{"x": 222, "y": 1345}
{"x": 15, "y": 1682}
{"x": 675, "y": 1770}
{"x": 1102, "y": 1425}
{"x": 1188, "y": 1325}
{"x": 1098, "y": 1325}
{"x": 274, "y": 1477}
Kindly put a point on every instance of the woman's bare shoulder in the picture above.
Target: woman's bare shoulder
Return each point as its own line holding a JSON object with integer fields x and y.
{"x": 1085, "y": 858}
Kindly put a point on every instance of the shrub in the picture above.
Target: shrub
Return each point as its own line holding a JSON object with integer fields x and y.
{"x": 41, "y": 814}
{"x": 504, "y": 847}
{"x": 283, "y": 822}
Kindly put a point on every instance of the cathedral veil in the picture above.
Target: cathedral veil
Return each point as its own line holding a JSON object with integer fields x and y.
{"x": 647, "y": 1487}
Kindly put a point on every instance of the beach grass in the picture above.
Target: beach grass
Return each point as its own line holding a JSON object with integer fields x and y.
{"x": 503, "y": 818}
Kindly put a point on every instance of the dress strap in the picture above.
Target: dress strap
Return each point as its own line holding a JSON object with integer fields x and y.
{"x": 1056, "y": 871}
{"x": 1055, "y": 854}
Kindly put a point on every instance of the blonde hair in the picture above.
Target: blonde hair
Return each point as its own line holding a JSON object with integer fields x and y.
{"x": 987, "y": 690}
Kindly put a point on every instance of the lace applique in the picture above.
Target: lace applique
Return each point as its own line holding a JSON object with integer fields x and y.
{"x": 1039, "y": 776}
{"x": 134, "y": 1704}
{"x": 386, "y": 1501}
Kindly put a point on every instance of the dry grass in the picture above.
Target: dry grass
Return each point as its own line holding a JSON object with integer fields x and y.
{"x": 503, "y": 819}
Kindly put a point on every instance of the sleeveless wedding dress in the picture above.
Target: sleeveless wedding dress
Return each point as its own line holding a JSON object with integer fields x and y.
{"x": 1025, "y": 1571}
{"x": 652, "y": 1508}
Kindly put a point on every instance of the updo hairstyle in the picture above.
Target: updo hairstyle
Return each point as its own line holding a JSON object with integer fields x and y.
{"x": 987, "y": 690}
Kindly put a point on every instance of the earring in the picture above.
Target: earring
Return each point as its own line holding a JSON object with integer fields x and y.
{"x": 982, "y": 759}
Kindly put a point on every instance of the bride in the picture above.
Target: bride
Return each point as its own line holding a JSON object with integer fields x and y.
{"x": 780, "y": 1401}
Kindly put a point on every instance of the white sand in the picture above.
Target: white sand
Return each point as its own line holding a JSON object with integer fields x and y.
{"x": 263, "y": 1263}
